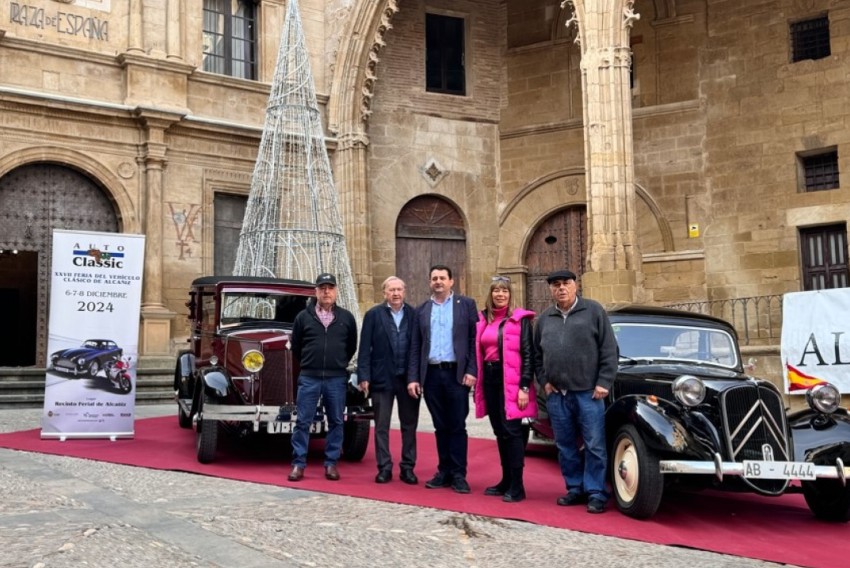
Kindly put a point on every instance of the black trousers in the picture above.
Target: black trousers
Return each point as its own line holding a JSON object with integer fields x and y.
{"x": 448, "y": 403}
{"x": 509, "y": 435}
{"x": 408, "y": 417}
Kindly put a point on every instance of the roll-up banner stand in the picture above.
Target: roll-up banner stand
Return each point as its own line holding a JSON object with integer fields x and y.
{"x": 93, "y": 340}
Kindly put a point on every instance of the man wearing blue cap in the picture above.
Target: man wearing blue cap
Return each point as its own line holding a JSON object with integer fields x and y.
{"x": 576, "y": 362}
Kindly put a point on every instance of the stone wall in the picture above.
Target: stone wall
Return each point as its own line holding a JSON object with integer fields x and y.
{"x": 411, "y": 128}
{"x": 762, "y": 110}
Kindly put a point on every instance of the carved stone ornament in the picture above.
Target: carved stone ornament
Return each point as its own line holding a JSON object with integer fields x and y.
{"x": 433, "y": 172}
{"x": 368, "y": 90}
{"x": 629, "y": 15}
{"x": 573, "y": 21}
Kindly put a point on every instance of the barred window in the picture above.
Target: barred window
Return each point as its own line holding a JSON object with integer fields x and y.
{"x": 824, "y": 252}
{"x": 230, "y": 38}
{"x": 819, "y": 171}
{"x": 810, "y": 39}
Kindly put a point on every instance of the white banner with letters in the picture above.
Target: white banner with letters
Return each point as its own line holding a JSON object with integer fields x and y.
{"x": 93, "y": 339}
{"x": 816, "y": 339}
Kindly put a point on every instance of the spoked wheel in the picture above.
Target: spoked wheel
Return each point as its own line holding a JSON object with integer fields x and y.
{"x": 637, "y": 482}
{"x": 94, "y": 368}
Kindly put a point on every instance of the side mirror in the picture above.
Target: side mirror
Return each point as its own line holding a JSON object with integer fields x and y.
{"x": 750, "y": 367}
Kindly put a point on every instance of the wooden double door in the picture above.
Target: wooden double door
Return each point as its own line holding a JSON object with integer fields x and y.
{"x": 34, "y": 200}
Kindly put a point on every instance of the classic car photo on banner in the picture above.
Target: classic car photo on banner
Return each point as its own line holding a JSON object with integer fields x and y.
{"x": 95, "y": 300}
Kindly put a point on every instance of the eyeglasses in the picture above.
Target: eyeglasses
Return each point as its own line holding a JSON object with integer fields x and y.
{"x": 499, "y": 278}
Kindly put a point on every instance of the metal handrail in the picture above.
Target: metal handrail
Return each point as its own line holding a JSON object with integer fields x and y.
{"x": 756, "y": 319}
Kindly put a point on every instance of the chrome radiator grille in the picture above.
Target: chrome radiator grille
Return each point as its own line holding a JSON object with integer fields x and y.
{"x": 755, "y": 429}
{"x": 277, "y": 385}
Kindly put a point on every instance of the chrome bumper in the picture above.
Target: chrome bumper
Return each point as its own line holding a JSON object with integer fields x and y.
{"x": 720, "y": 469}
{"x": 258, "y": 415}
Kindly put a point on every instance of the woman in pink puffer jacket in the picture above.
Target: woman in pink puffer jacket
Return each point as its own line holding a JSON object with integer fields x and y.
{"x": 504, "y": 390}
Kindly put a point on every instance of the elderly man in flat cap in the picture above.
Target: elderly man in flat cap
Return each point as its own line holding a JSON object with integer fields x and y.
{"x": 576, "y": 362}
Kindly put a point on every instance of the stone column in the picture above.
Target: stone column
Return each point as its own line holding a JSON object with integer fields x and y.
{"x": 155, "y": 333}
{"x": 174, "y": 29}
{"x": 135, "y": 41}
{"x": 352, "y": 185}
{"x": 613, "y": 274}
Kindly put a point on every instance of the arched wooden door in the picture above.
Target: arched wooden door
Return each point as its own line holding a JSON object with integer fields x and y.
{"x": 429, "y": 231}
{"x": 559, "y": 242}
{"x": 34, "y": 200}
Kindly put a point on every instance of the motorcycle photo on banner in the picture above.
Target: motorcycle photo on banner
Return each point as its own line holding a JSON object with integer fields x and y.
{"x": 92, "y": 345}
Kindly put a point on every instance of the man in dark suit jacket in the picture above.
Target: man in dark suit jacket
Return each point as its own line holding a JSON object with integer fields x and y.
{"x": 443, "y": 368}
{"x": 382, "y": 363}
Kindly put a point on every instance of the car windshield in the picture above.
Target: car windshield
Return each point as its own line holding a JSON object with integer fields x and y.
{"x": 641, "y": 341}
{"x": 245, "y": 307}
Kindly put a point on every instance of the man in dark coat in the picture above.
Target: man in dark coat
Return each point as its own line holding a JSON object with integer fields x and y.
{"x": 382, "y": 363}
{"x": 443, "y": 369}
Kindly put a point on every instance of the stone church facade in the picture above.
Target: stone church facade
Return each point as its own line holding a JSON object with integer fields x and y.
{"x": 668, "y": 151}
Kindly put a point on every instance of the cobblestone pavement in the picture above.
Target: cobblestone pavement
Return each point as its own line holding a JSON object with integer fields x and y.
{"x": 57, "y": 511}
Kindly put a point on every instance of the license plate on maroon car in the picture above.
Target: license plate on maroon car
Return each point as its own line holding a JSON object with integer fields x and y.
{"x": 779, "y": 470}
{"x": 279, "y": 427}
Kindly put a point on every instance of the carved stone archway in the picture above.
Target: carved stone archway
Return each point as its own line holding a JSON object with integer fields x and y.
{"x": 35, "y": 199}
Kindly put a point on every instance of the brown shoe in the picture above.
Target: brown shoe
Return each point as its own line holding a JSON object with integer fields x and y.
{"x": 332, "y": 473}
{"x": 297, "y": 473}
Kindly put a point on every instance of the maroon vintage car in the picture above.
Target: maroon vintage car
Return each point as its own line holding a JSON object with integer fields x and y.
{"x": 240, "y": 377}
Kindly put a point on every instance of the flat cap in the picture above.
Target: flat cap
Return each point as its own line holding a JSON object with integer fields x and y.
{"x": 560, "y": 275}
{"x": 326, "y": 278}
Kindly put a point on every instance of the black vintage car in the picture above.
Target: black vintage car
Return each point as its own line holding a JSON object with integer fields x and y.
{"x": 87, "y": 359}
{"x": 239, "y": 376}
{"x": 682, "y": 411}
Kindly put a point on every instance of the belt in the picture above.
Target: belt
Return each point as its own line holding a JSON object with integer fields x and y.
{"x": 443, "y": 365}
{"x": 492, "y": 364}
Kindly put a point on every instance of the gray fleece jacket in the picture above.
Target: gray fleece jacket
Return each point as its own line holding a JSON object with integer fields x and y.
{"x": 578, "y": 352}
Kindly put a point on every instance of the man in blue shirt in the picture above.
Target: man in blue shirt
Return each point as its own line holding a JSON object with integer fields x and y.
{"x": 443, "y": 369}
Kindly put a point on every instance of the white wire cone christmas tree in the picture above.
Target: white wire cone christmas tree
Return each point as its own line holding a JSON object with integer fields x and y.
{"x": 292, "y": 226}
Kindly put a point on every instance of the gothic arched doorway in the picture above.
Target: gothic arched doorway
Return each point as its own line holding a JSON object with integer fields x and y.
{"x": 559, "y": 242}
{"x": 429, "y": 231}
{"x": 34, "y": 200}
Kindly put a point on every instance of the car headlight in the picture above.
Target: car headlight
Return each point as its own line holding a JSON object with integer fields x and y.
{"x": 824, "y": 398}
{"x": 689, "y": 390}
{"x": 253, "y": 361}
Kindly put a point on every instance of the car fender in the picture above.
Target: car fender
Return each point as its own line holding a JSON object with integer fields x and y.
{"x": 216, "y": 382}
{"x": 659, "y": 424}
{"x": 820, "y": 438}
{"x": 185, "y": 369}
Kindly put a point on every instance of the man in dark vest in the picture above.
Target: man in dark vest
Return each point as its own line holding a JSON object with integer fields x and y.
{"x": 382, "y": 369}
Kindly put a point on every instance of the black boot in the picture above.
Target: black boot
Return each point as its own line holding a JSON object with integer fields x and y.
{"x": 502, "y": 486}
{"x": 505, "y": 483}
{"x": 516, "y": 491}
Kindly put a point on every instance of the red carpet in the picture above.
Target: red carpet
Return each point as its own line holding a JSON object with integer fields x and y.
{"x": 776, "y": 529}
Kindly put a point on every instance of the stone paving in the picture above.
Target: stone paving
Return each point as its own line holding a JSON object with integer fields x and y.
{"x": 58, "y": 512}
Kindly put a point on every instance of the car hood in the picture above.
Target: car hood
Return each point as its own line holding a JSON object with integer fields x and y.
{"x": 74, "y": 353}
